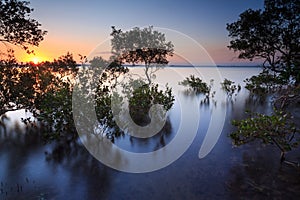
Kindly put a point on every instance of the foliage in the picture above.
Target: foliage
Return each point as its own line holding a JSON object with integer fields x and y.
{"x": 288, "y": 97}
{"x": 196, "y": 84}
{"x": 104, "y": 113}
{"x": 63, "y": 63}
{"x": 44, "y": 89}
{"x": 54, "y": 110}
{"x": 264, "y": 83}
{"x": 141, "y": 46}
{"x": 140, "y": 100}
{"x": 54, "y": 107}
{"x": 17, "y": 85}
{"x": 230, "y": 88}
{"x": 16, "y": 27}
{"x": 138, "y": 45}
{"x": 272, "y": 35}
{"x": 98, "y": 63}
{"x": 109, "y": 70}
{"x": 146, "y": 95}
{"x": 275, "y": 129}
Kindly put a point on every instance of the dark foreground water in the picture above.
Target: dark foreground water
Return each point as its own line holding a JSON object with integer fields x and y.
{"x": 30, "y": 169}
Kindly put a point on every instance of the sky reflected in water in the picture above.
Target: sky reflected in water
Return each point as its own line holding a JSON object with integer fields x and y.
{"x": 31, "y": 170}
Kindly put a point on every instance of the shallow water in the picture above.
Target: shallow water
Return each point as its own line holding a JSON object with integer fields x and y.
{"x": 29, "y": 171}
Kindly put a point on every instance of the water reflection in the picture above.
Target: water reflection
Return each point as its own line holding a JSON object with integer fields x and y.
{"x": 30, "y": 169}
{"x": 143, "y": 145}
{"x": 262, "y": 177}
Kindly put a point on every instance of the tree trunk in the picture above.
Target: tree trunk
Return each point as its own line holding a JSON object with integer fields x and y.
{"x": 146, "y": 72}
{"x": 282, "y": 157}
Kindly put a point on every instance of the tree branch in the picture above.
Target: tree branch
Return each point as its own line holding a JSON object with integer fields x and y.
{"x": 278, "y": 145}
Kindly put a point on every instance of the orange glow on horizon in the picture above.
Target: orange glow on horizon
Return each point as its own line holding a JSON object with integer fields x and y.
{"x": 53, "y": 47}
{"x": 36, "y": 59}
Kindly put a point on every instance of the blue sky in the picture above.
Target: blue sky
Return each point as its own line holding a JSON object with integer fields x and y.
{"x": 78, "y": 26}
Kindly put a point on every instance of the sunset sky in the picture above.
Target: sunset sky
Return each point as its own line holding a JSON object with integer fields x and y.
{"x": 78, "y": 26}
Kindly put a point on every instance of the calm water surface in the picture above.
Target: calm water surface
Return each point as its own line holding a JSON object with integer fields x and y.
{"x": 28, "y": 169}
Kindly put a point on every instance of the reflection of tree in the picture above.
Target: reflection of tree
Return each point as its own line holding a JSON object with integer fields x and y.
{"x": 46, "y": 90}
{"x": 260, "y": 176}
{"x": 134, "y": 46}
{"x": 131, "y": 107}
{"x": 159, "y": 140}
{"x": 271, "y": 34}
{"x": 22, "y": 149}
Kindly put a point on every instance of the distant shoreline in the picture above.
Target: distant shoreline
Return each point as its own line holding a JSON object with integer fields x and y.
{"x": 220, "y": 66}
{"x": 199, "y": 66}
{"x": 191, "y": 66}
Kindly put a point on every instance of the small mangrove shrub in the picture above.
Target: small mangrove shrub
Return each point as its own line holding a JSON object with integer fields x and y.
{"x": 197, "y": 85}
{"x": 276, "y": 129}
{"x": 230, "y": 88}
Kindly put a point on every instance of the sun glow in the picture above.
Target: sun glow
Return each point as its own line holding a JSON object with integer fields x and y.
{"x": 36, "y": 60}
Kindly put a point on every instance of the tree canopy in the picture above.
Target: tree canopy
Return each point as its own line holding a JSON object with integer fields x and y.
{"x": 141, "y": 46}
{"x": 272, "y": 34}
{"x": 16, "y": 26}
